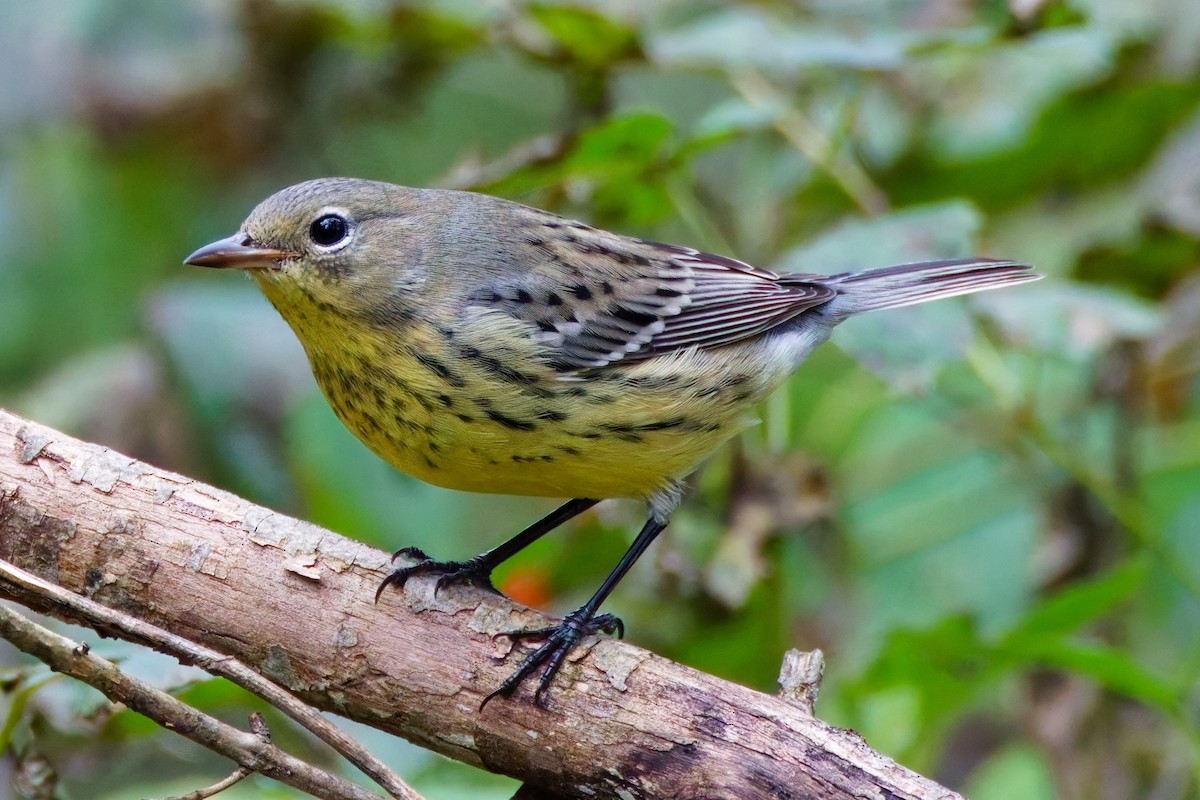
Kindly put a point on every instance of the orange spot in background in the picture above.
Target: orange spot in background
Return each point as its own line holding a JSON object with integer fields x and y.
{"x": 528, "y": 586}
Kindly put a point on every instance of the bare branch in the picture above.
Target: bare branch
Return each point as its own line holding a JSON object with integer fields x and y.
{"x": 474, "y": 173}
{"x": 30, "y": 590}
{"x": 237, "y": 775}
{"x": 250, "y": 751}
{"x": 258, "y": 726}
{"x": 294, "y": 601}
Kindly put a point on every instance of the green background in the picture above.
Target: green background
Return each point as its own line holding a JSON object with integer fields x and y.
{"x": 985, "y": 512}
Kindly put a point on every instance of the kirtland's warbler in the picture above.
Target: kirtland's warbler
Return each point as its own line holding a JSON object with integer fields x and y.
{"x": 487, "y": 346}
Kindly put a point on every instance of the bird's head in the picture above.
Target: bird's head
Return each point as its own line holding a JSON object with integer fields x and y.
{"x": 344, "y": 244}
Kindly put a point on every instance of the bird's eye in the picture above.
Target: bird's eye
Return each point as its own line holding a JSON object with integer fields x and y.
{"x": 328, "y": 230}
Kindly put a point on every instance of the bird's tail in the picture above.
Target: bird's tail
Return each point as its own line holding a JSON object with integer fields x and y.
{"x": 908, "y": 284}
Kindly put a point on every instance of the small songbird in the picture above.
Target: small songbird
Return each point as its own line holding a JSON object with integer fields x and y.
{"x": 487, "y": 346}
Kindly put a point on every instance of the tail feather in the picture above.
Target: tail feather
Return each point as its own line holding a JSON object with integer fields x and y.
{"x": 908, "y": 284}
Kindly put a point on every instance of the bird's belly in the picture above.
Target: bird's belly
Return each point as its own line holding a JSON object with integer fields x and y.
{"x": 630, "y": 432}
{"x": 590, "y": 455}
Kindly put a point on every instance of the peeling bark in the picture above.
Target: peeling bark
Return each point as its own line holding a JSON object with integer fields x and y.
{"x": 295, "y": 601}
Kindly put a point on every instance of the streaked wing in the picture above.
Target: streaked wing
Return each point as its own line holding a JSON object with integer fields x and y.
{"x": 598, "y": 298}
{"x": 731, "y": 301}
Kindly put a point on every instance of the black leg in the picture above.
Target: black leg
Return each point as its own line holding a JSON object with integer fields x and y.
{"x": 478, "y": 570}
{"x": 580, "y": 623}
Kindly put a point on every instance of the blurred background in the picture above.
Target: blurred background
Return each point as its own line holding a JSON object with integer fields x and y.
{"x": 985, "y": 512}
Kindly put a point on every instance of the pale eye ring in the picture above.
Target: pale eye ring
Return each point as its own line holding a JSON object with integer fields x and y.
{"x": 329, "y": 230}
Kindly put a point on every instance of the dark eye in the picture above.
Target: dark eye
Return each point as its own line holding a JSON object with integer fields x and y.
{"x": 328, "y": 230}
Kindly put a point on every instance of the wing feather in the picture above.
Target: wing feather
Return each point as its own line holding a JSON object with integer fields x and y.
{"x": 594, "y": 298}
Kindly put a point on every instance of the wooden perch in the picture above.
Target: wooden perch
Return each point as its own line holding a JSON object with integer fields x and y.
{"x": 295, "y": 602}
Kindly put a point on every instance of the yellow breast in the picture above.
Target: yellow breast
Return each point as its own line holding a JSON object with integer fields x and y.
{"x": 475, "y": 411}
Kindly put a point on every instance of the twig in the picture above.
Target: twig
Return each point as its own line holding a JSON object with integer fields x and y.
{"x": 800, "y": 677}
{"x": 248, "y": 750}
{"x": 473, "y": 174}
{"x": 25, "y": 587}
{"x": 208, "y": 791}
{"x": 258, "y": 726}
{"x": 817, "y": 146}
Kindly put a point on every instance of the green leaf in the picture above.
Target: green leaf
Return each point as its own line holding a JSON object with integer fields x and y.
{"x": 946, "y": 664}
{"x": 18, "y": 700}
{"x": 734, "y": 116}
{"x": 588, "y": 36}
{"x": 1081, "y": 603}
{"x": 1016, "y": 771}
{"x": 1086, "y": 139}
{"x": 746, "y": 36}
{"x": 999, "y": 92}
{"x": 1107, "y": 665}
{"x": 624, "y": 142}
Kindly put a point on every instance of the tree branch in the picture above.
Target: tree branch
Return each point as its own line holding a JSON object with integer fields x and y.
{"x": 247, "y": 749}
{"x": 30, "y": 590}
{"x": 294, "y": 601}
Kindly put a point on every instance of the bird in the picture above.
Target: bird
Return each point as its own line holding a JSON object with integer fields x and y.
{"x": 487, "y": 346}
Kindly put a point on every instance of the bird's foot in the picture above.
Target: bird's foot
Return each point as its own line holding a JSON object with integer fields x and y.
{"x": 473, "y": 571}
{"x": 561, "y": 639}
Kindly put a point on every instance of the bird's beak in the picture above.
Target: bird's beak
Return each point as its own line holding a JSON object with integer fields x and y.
{"x": 237, "y": 252}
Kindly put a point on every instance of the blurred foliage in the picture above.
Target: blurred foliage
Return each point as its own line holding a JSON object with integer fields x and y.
{"x": 986, "y": 513}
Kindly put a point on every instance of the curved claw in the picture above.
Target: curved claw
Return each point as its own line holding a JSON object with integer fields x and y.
{"x": 383, "y": 584}
{"x": 561, "y": 639}
{"x": 471, "y": 571}
{"x": 610, "y": 624}
{"x": 415, "y": 553}
{"x": 398, "y": 577}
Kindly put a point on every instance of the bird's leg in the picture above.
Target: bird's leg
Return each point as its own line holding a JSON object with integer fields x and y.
{"x": 562, "y": 638}
{"x": 478, "y": 570}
